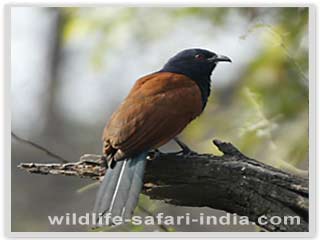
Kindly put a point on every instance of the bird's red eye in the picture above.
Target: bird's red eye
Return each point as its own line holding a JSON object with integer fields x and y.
{"x": 199, "y": 57}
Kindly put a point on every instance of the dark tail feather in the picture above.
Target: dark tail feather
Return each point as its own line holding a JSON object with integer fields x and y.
{"x": 120, "y": 188}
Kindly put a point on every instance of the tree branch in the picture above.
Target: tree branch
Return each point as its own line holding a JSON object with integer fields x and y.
{"x": 231, "y": 182}
{"x": 37, "y": 146}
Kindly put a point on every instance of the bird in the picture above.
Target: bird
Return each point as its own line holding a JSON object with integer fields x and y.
{"x": 158, "y": 107}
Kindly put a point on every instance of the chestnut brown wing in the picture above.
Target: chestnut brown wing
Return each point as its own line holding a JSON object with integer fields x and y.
{"x": 158, "y": 107}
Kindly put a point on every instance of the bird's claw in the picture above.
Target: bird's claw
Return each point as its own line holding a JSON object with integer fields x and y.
{"x": 153, "y": 154}
{"x": 107, "y": 162}
{"x": 184, "y": 148}
{"x": 104, "y": 161}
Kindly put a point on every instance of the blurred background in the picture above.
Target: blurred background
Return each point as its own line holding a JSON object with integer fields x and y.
{"x": 71, "y": 67}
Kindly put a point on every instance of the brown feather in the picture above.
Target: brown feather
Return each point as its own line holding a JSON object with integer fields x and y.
{"x": 158, "y": 107}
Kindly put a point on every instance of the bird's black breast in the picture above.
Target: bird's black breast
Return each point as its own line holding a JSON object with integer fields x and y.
{"x": 205, "y": 89}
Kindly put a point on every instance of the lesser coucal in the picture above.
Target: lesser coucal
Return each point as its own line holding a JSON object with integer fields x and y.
{"x": 158, "y": 107}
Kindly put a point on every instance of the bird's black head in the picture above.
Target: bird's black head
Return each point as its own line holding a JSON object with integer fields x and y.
{"x": 198, "y": 65}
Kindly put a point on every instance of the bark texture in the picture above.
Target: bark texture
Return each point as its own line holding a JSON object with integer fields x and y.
{"x": 232, "y": 182}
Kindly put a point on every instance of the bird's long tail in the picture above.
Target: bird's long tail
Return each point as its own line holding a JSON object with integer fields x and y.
{"x": 119, "y": 191}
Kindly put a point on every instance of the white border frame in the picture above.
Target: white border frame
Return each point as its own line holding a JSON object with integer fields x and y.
{"x": 312, "y": 127}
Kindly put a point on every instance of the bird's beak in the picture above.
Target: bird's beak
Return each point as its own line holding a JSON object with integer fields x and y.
{"x": 219, "y": 58}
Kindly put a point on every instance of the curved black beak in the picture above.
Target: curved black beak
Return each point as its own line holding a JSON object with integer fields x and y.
{"x": 219, "y": 58}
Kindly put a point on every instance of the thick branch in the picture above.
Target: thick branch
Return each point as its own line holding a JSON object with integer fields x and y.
{"x": 232, "y": 182}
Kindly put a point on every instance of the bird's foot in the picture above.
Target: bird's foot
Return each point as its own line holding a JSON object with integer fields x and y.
{"x": 153, "y": 154}
{"x": 185, "y": 150}
{"x": 106, "y": 161}
{"x": 109, "y": 161}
